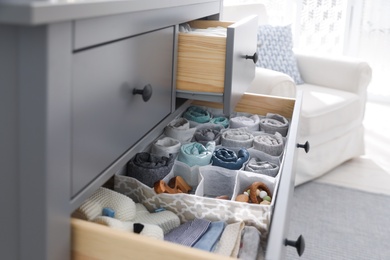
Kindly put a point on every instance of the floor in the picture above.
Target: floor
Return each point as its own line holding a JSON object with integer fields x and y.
{"x": 370, "y": 172}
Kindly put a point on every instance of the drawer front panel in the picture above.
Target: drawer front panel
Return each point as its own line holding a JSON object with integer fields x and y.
{"x": 107, "y": 118}
{"x": 215, "y": 64}
{"x": 240, "y": 70}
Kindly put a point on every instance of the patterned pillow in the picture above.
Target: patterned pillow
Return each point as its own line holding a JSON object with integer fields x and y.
{"x": 275, "y": 50}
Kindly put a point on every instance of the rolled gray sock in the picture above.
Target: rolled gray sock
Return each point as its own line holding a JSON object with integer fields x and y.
{"x": 251, "y": 122}
{"x": 274, "y": 123}
{"x": 180, "y": 129}
{"x": 239, "y": 137}
{"x": 271, "y": 144}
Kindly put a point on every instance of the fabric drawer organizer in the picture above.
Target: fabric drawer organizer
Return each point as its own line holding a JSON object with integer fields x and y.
{"x": 209, "y": 182}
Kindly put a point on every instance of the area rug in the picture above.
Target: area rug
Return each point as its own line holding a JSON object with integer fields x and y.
{"x": 340, "y": 223}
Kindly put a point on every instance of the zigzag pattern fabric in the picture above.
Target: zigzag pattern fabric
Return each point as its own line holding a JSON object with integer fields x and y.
{"x": 275, "y": 50}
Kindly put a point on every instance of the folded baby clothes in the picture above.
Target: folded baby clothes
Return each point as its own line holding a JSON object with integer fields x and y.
{"x": 263, "y": 167}
{"x": 211, "y": 236}
{"x": 229, "y": 159}
{"x": 197, "y": 115}
{"x": 273, "y": 123}
{"x": 229, "y": 243}
{"x": 239, "y": 137}
{"x": 149, "y": 168}
{"x": 180, "y": 129}
{"x": 271, "y": 144}
{"x": 188, "y": 233}
{"x": 220, "y": 120}
{"x": 250, "y": 244}
{"x": 208, "y": 132}
{"x": 251, "y": 122}
{"x": 165, "y": 146}
{"x": 196, "y": 154}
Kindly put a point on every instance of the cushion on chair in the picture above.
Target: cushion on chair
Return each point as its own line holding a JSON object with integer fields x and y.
{"x": 328, "y": 112}
{"x": 275, "y": 52}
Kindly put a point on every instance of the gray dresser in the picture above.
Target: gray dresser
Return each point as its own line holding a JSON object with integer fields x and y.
{"x": 74, "y": 77}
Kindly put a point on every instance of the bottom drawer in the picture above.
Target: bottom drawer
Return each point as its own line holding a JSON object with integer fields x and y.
{"x": 94, "y": 241}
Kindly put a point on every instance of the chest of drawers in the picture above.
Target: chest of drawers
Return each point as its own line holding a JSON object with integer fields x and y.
{"x": 72, "y": 120}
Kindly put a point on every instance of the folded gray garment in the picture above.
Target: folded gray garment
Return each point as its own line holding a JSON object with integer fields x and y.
{"x": 263, "y": 167}
{"x": 272, "y": 144}
{"x": 166, "y": 146}
{"x": 239, "y": 137}
{"x": 251, "y": 122}
{"x": 180, "y": 129}
{"x": 149, "y": 168}
{"x": 250, "y": 242}
{"x": 208, "y": 132}
{"x": 273, "y": 123}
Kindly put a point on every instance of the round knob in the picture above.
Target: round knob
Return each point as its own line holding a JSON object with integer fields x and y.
{"x": 305, "y": 146}
{"x": 254, "y": 57}
{"x": 146, "y": 92}
{"x": 299, "y": 244}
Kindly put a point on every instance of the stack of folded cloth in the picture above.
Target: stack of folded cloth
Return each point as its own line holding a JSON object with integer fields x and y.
{"x": 234, "y": 239}
{"x": 149, "y": 168}
{"x": 227, "y": 158}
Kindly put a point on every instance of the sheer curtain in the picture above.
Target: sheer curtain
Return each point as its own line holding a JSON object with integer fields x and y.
{"x": 358, "y": 28}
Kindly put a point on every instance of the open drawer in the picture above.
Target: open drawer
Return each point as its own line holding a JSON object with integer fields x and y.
{"x": 217, "y": 68}
{"x": 93, "y": 241}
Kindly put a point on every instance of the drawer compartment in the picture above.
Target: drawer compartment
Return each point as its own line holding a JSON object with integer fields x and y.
{"x": 94, "y": 241}
{"x": 217, "y": 65}
{"x": 107, "y": 118}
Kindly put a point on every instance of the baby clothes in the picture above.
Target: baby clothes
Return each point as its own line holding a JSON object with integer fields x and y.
{"x": 263, "y": 167}
{"x": 271, "y": 144}
{"x": 196, "y": 154}
{"x": 180, "y": 129}
{"x": 196, "y": 115}
{"x": 209, "y": 239}
{"x": 228, "y": 159}
{"x": 208, "y": 132}
{"x": 274, "y": 123}
{"x": 251, "y": 122}
{"x": 165, "y": 146}
{"x": 149, "y": 168}
{"x": 240, "y": 138}
{"x": 188, "y": 233}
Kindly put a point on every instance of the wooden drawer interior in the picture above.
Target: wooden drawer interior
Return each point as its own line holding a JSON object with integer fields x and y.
{"x": 201, "y": 59}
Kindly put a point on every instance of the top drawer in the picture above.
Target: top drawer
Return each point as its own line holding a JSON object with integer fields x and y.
{"x": 217, "y": 68}
{"x": 107, "y": 118}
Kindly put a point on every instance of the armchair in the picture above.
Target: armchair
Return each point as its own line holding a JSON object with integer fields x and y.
{"x": 334, "y": 97}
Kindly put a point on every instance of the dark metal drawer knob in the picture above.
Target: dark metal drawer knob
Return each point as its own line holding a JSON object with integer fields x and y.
{"x": 254, "y": 57}
{"x": 146, "y": 92}
{"x": 299, "y": 244}
{"x": 305, "y": 146}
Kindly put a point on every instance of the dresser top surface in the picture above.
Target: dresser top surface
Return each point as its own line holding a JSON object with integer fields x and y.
{"x": 33, "y": 12}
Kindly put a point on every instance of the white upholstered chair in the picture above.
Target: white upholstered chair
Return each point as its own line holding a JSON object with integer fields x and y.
{"x": 334, "y": 97}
